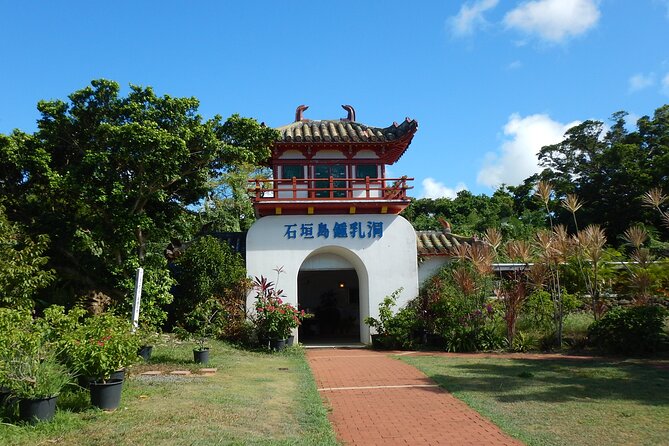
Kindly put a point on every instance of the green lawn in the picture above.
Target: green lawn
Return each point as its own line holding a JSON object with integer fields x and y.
{"x": 254, "y": 398}
{"x": 561, "y": 402}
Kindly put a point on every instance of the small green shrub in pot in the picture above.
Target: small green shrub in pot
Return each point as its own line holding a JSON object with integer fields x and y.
{"x": 34, "y": 375}
{"x": 383, "y": 337}
{"x": 200, "y": 323}
{"x": 101, "y": 345}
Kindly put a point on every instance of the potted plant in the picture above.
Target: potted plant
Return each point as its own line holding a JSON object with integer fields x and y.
{"x": 382, "y": 337}
{"x": 12, "y": 324}
{"x": 35, "y": 378}
{"x": 200, "y": 327}
{"x": 101, "y": 345}
{"x": 274, "y": 319}
{"x": 147, "y": 337}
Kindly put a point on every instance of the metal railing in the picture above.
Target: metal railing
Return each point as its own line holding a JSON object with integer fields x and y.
{"x": 330, "y": 189}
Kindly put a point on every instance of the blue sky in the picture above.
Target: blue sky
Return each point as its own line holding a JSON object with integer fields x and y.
{"x": 489, "y": 81}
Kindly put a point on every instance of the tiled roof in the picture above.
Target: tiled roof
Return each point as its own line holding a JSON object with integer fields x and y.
{"x": 438, "y": 243}
{"x": 345, "y": 131}
{"x": 389, "y": 143}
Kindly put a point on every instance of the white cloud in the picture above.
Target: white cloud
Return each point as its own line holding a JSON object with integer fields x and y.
{"x": 469, "y": 17}
{"x": 516, "y": 64}
{"x": 641, "y": 81}
{"x": 665, "y": 84}
{"x": 435, "y": 189}
{"x": 554, "y": 20}
{"x": 516, "y": 159}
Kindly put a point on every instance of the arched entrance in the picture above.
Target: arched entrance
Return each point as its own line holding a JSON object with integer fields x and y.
{"x": 328, "y": 287}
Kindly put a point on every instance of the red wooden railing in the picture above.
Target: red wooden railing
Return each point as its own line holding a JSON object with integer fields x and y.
{"x": 330, "y": 189}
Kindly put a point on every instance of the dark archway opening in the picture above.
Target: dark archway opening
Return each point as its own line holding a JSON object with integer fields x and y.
{"x": 332, "y": 296}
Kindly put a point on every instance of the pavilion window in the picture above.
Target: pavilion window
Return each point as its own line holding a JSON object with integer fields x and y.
{"x": 366, "y": 170}
{"x": 289, "y": 171}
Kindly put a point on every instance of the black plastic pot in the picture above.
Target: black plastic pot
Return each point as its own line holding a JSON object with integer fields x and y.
{"x": 145, "y": 352}
{"x": 5, "y": 393}
{"x": 119, "y": 374}
{"x": 37, "y": 410}
{"x": 201, "y": 356}
{"x": 290, "y": 340}
{"x": 106, "y": 395}
{"x": 277, "y": 344}
{"x": 85, "y": 381}
{"x": 381, "y": 342}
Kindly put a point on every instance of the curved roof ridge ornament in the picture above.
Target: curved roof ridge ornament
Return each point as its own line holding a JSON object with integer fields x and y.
{"x": 299, "y": 112}
{"x": 351, "y": 113}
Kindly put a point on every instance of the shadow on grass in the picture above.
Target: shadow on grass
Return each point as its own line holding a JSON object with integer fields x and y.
{"x": 558, "y": 381}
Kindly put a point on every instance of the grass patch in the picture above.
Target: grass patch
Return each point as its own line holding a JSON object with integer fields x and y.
{"x": 561, "y": 402}
{"x": 255, "y": 398}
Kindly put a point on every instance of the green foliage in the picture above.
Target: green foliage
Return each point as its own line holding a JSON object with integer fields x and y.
{"x": 202, "y": 323}
{"x": 156, "y": 289}
{"x": 472, "y": 214}
{"x": 226, "y": 207}
{"x": 34, "y": 376}
{"x": 274, "y": 318}
{"x": 111, "y": 178}
{"x": 397, "y": 330}
{"x": 211, "y": 269}
{"x": 630, "y": 330}
{"x": 28, "y": 363}
{"x": 405, "y": 328}
{"x": 16, "y": 335}
{"x": 539, "y": 310}
{"x": 456, "y": 308}
{"x": 610, "y": 170}
{"x": 381, "y": 325}
{"x": 23, "y": 269}
{"x": 101, "y": 345}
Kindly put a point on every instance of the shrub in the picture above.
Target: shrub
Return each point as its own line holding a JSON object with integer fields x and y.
{"x": 156, "y": 289}
{"x": 101, "y": 345}
{"x": 630, "y": 330}
{"x": 200, "y": 324}
{"x": 22, "y": 265}
{"x": 34, "y": 375}
{"x": 405, "y": 328}
{"x": 274, "y": 318}
{"x": 211, "y": 269}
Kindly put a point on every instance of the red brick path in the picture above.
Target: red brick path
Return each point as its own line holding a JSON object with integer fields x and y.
{"x": 378, "y": 400}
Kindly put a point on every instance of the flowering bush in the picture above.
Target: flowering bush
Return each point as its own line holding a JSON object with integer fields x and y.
{"x": 274, "y": 318}
{"x": 101, "y": 345}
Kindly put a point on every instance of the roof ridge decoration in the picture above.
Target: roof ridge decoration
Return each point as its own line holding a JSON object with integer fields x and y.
{"x": 389, "y": 143}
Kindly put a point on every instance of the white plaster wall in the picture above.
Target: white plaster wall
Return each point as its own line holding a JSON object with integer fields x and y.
{"x": 383, "y": 264}
{"x": 429, "y": 266}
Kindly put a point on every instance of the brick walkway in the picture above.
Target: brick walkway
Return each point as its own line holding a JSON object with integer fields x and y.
{"x": 378, "y": 400}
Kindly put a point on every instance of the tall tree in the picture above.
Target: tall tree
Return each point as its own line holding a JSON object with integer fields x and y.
{"x": 609, "y": 170}
{"x": 110, "y": 179}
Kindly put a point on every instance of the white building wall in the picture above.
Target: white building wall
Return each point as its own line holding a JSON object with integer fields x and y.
{"x": 429, "y": 267}
{"x": 383, "y": 263}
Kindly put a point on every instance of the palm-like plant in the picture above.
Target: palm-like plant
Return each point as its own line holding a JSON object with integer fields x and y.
{"x": 640, "y": 278}
{"x": 591, "y": 241}
{"x": 655, "y": 198}
{"x": 516, "y": 288}
{"x": 553, "y": 248}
